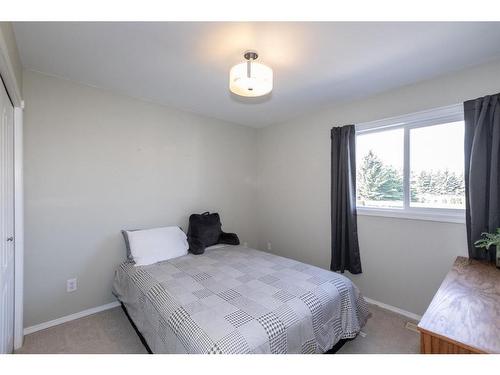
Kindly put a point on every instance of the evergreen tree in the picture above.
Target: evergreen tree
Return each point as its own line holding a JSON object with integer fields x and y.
{"x": 436, "y": 183}
{"x": 377, "y": 181}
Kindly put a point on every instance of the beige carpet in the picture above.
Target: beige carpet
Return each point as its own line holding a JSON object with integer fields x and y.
{"x": 385, "y": 334}
{"x": 110, "y": 332}
{"x": 105, "y": 332}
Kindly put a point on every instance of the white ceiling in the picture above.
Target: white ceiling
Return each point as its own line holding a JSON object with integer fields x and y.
{"x": 186, "y": 65}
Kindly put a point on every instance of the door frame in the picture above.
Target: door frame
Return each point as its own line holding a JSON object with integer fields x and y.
{"x": 18, "y": 229}
{"x": 14, "y": 92}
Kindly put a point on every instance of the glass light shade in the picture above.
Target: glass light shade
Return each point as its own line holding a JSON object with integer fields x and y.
{"x": 256, "y": 80}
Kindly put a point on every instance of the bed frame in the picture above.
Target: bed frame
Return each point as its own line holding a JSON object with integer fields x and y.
{"x": 333, "y": 350}
{"x": 143, "y": 340}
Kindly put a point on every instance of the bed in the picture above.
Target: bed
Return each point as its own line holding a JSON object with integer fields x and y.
{"x": 234, "y": 299}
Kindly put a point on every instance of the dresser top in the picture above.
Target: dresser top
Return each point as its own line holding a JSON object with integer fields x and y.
{"x": 466, "y": 308}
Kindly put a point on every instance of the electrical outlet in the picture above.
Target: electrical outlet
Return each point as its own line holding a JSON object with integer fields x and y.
{"x": 269, "y": 246}
{"x": 71, "y": 285}
{"x": 245, "y": 244}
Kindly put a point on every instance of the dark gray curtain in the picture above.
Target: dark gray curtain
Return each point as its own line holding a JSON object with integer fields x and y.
{"x": 345, "y": 247}
{"x": 482, "y": 167}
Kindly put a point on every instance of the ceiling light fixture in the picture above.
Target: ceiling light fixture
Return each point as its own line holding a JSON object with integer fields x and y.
{"x": 250, "y": 78}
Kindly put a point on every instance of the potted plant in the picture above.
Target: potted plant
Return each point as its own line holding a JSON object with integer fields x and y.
{"x": 490, "y": 239}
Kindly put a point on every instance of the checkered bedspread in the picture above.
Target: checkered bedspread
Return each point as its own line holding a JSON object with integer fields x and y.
{"x": 239, "y": 300}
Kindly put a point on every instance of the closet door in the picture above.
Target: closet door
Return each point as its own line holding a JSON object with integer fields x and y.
{"x": 6, "y": 222}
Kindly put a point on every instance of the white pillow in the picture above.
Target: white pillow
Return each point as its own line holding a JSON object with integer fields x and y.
{"x": 155, "y": 245}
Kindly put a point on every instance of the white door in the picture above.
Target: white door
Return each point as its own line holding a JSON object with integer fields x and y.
{"x": 6, "y": 222}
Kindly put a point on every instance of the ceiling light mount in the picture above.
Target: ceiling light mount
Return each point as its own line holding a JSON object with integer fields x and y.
{"x": 250, "y": 78}
{"x": 251, "y": 55}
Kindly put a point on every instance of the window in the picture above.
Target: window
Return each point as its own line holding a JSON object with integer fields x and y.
{"x": 412, "y": 166}
{"x": 379, "y": 166}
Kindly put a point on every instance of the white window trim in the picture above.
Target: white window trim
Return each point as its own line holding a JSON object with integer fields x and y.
{"x": 406, "y": 122}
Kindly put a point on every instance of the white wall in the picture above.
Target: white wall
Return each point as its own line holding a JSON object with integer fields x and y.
{"x": 96, "y": 163}
{"x": 404, "y": 261}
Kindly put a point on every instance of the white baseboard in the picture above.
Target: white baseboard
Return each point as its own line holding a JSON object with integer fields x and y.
{"x": 394, "y": 309}
{"x": 68, "y": 318}
{"x": 81, "y": 314}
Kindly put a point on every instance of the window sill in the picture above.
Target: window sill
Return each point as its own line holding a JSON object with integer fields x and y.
{"x": 440, "y": 216}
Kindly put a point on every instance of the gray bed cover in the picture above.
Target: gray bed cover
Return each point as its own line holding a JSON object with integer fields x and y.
{"x": 239, "y": 300}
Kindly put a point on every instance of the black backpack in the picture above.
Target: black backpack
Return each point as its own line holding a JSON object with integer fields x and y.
{"x": 206, "y": 230}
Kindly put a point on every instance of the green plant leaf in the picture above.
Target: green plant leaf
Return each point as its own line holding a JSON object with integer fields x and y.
{"x": 488, "y": 240}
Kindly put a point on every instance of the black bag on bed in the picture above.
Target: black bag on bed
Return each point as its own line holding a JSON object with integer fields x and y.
{"x": 206, "y": 230}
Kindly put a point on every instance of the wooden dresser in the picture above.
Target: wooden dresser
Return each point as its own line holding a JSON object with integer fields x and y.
{"x": 464, "y": 315}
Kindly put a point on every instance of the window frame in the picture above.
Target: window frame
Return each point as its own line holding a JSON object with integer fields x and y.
{"x": 416, "y": 120}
